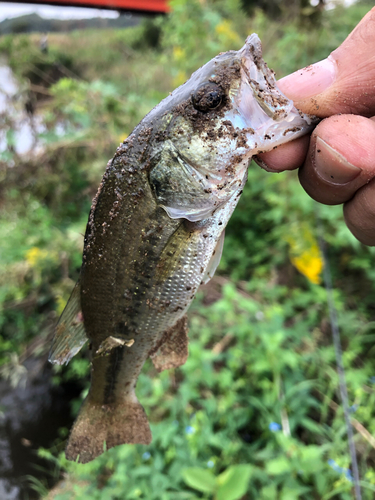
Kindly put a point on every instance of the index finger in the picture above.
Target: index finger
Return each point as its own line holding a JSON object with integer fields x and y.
{"x": 342, "y": 83}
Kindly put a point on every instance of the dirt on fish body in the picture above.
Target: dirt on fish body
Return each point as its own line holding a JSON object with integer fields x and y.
{"x": 156, "y": 232}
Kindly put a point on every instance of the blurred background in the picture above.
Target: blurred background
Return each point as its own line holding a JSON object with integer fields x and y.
{"x": 255, "y": 412}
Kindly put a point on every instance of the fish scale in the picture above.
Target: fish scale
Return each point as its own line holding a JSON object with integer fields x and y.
{"x": 155, "y": 233}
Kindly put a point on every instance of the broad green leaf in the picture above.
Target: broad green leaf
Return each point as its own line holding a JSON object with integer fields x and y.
{"x": 199, "y": 479}
{"x": 278, "y": 466}
{"x": 233, "y": 482}
{"x": 269, "y": 492}
{"x": 293, "y": 490}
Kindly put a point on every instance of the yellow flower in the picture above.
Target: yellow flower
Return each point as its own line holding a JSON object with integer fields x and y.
{"x": 310, "y": 264}
{"x": 178, "y": 53}
{"x": 305, "y": 253}
{"x": 34, "y": 255}
{"x": 122, "y": 137}
{"x": 179, "y": 79}
{"x": 226, "y": 32}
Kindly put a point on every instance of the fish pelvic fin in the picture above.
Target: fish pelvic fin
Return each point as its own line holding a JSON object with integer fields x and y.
{"x": 173, "y": 350}
{"x": 100, "y": 427}
{"x": 70, "y": 334}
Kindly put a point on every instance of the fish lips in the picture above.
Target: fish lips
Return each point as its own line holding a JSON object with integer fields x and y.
{"x": 260, "y": 109}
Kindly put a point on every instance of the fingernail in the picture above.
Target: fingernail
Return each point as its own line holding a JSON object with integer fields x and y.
{"x": 309, "y": 81}
{"x": 258, "y": 160}
{"x": 332, "y": 166}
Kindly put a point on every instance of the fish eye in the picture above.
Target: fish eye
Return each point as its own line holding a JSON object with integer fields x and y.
{"x": 207, "y": 96}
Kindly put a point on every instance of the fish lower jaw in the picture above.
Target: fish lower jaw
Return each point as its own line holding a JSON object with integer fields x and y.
{"x": 267, "y": 138}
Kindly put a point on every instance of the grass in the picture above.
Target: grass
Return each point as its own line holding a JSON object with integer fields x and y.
{"x": 258, "y": 396}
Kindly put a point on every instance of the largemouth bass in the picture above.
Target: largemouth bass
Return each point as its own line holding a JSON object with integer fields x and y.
{"x": 156, "y": 232}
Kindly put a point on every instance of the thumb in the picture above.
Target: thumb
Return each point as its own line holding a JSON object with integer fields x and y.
{"x": 342, "y": 83}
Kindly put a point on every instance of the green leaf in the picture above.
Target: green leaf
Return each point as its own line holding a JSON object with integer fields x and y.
{"x": 269, "y": 492}
{"x": 292, "y": 490}
{"x": 278, "y": 466}
{"x": 199, "y": 479}
{"x": 233, "y": 482}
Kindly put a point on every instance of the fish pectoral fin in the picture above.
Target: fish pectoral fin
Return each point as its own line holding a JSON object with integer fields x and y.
{"x": 173, "y": 352}
{"x": 70, "y": 333}
{"x": 101, "y": 426}
{"x": 215, "y": 259}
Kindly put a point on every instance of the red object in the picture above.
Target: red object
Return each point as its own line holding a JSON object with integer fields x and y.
{"x": 154, "y": 6}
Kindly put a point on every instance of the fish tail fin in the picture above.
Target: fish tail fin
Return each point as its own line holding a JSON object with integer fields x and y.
{"x": 100, "y": 427}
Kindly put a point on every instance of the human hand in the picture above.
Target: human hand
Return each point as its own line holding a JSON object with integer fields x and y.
{"x": 337, "y": 163}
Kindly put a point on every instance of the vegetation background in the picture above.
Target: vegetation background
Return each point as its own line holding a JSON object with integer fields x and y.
{"x": 255, "y": 412}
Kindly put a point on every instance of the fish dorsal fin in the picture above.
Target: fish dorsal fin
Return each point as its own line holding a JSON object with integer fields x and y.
{"x": 70, "y": 333}
{"x": 215, "y": 259}
{"x": 173, "y": 352}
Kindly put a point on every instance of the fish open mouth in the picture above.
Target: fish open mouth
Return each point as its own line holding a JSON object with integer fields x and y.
{"x": 262, "y": 81}
{"x": 264, "y": 110}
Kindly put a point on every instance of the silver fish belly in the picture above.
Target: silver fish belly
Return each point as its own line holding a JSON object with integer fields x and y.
{"x": 156, "y": 232}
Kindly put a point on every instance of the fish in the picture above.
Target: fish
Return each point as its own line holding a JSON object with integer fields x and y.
{"x": 155, "y": 233}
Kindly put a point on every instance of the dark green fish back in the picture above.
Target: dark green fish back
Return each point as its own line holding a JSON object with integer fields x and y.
{"x": 125, "y": 235}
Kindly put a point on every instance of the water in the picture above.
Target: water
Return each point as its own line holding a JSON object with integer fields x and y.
{"x": 30, "y": 414}
{"x": 24, "y": 126}
{"x": 31, "y": 417}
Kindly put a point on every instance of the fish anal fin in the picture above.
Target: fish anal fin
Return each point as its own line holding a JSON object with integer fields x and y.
{"x": 100, "y": 427}
{"x": 173, "y": 350}
{"x": 70, "y": 333}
